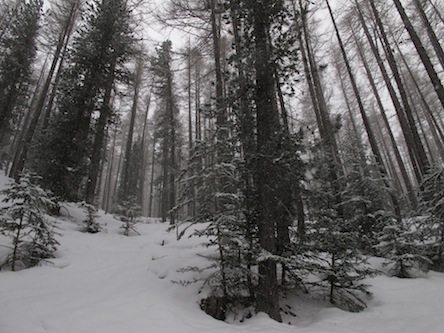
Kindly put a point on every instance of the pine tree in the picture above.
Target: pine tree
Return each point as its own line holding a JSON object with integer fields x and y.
{"x": 431, "y": 198}
{"x": 340, "y": 265}
{"x": 18, "y": 50}
{"x": 90, "y": 222}
{"x": 69, "y": 152}
{"x": 332, "y": 246}
{"x": 224, "y": 227}
{"x": 365, "y": 196}
{"x": 400, "y": 244}
{"x": 22, "y": 219}
{"x": 168, "y": 127}
{"x": 129, "y": 213}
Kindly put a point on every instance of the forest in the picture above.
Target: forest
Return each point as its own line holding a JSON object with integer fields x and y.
{"x": 303, "y": 137}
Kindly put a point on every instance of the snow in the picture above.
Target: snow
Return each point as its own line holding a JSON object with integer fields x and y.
{"x": 110, "y": 283}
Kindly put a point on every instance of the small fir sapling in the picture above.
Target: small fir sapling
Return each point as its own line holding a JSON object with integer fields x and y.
{"x": 129, "y": 213}
{"x": 339, "y": 263}
{"x": 90, "y": 223}
{"x": 400, "y": 245}
{"x": 22, "y": 219}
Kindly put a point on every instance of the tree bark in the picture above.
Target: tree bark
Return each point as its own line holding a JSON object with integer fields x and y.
{"x": 267, "y": 293}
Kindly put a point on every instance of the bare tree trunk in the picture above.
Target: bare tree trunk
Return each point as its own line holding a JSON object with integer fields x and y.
{"x": 22, "y": 151}
{"x": 432, "y": 35}
{"x": 408, "y": 136}
{"x": 191, "y": 209}
{"x": 124, "y": 184}
{"x": 145, "y": 151}
{"x": 151, "y": 195}
{"x": 421, "y": 156}
{"x": 99, "y": 138}
{"x": 434, "y": 127}
{"x": 373, "y": 144}
{"x": 109, "y": 176}
{"x": 317, "y": 94}
{"x": 436, "y": 82}
{"x": 407, "y": 181}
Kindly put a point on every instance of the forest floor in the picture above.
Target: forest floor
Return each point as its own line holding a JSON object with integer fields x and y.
{"x": 110, "y": 283}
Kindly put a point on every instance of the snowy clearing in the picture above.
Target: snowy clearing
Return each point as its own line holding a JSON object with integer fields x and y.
{"x": 109, "y": 283}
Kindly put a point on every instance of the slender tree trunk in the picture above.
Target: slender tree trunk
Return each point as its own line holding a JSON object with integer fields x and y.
{"x": 436, "y": 10}
{"x": 109, "y": 176}
{"x": 373, "y": 144}
{"x": 421, "y": 156}
{"x": 123, "y": 195}
{"x": 20, "y": 156}
{"x": 99, "y": 138}
{"x": 406, "y": 178}
{"x": 434, "y": 127}
{"x": 431, "y": 33}
{"x": 145, "y": 152}
{"x": 408, "y": 136}
{"x": 191, "y": 209}
{"x": 151, "y": 195}
{"x": 434, "y": 78}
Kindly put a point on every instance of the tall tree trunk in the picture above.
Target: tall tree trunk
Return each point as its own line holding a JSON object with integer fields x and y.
{"x": 106, "y": 202}
{"x": 421, "y": 156}
{"x": 145, "y": 152}
{"x": 430, "y": 117}
{"x": 430, "y": 32}
{"x": 406, "y": 178}
{"x": 434, "y": 78}
{"x": 22, "y": 151}
{"x": 406, "y": 130}
{"x": 151, "y": 195}
{"x": 373, "y": 144}
{"x": 267, "y": 123}
{"x": 99, "y": 138}
{"x": 124, "y": 185}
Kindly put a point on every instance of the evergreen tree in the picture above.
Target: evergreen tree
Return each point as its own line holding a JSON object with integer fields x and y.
{"x": 333, "y": 241}
{"x": 129, "y": 213}
{"x": 69, "y": 152}
{"x": 168, "y": 127}
{"x": 400, "y": 244}
{"x": 340, "y": 264}
{"x": 365, "y": 197}
{"x": 222, "y": 213}
{"x": 22, "y": 219}
{"x": 90, "y": 222}
{"x": 17, "y": 53}
{"x": 431, "y": 198}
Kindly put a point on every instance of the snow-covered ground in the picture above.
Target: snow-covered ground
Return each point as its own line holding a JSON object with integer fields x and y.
{"x": 109, "y": 283}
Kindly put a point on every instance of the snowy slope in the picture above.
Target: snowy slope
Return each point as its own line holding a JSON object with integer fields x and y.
{"x": 109, "y": 283}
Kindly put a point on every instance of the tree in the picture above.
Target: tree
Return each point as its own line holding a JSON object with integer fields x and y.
{"x": 432, "y": 205}
{"x": 425, "y": 58}
{"x": 37, "y": 108}
{"x": 18, "y": 44}
{"x": 22, "y": 219}
{"x": 400, "y": 245}
{"x": 168, "y": 127}
{"x": 70, "y": 151}
{"x": 367, "y": 125}
{"x": 129, "y": 154}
